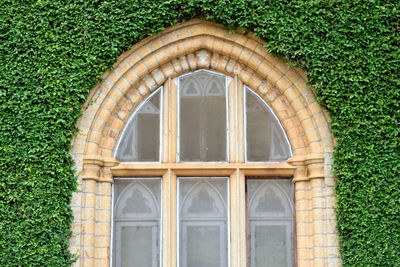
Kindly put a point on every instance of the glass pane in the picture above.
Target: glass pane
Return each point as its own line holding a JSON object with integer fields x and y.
{"x": 140, "y": 140}
{"x": 265, "y": 138}
{"x": 203, "y": 117}
{"x": 138, "y": 246}
{"x": 203, "y": 246}
{"x": 270, "y": 246}
{"x": 270, "y": 222}
{"x": 203, "y": 216}
{"x": 137, "y": 222}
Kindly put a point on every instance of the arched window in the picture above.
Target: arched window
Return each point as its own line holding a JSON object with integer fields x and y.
{"x": 203, "y": 117}
{"x": 208, "y": 129}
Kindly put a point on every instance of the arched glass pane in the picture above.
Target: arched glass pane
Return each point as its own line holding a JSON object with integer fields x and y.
{"x": 270, "y": 222}
{"x": 137, "y": 222}
{"x": 203, "y": 124}
{"x": 203, "y": 215}
{"x": 140, "y": 139}
{"x": 265, "y": 138}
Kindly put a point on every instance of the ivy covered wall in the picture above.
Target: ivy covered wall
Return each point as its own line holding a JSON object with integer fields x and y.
{"x": 52, "y": 54}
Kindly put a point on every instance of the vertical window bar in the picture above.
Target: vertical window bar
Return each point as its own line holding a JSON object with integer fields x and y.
{"x": 227, "y": 81}
{"x": 177, "y": 222}
{"x": 178, "y": 117}
{"x": 160, "y": 239}
{"x": 228, "y": 223}
{"x": 160, "y": 149}
{"x": 112, "y": 226}
{"x": 245, "y": 123}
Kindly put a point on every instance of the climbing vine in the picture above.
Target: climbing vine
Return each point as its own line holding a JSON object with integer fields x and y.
{"x": 52, "y": 54}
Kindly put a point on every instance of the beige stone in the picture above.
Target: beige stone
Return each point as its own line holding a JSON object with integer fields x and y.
{"x": 162, "y": 57}
{"x": 103, "y": 215}
{"x": 304, "y": 242}
{"x": 297, "y": 103}
{"x": 104, "y": 189}
{"x": 236, "y": 51}
{"x": 88, "y": 237}
{"x": 88, "y": 255}
{"x": 168, "y": 69}
{"x": 192, "y": 61}
{"x": 104, "y": 202}
{"x": 306, "y": 253}
{"x": 101, "y": 262}
{"x": 304, "y": 229}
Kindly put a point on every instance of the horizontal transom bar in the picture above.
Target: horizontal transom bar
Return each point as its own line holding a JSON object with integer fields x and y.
{"x": 202, "y": 169}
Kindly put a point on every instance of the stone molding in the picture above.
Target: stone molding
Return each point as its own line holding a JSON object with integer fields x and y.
{"x": 308, "y": 167}
{"x": 98, "y": 168}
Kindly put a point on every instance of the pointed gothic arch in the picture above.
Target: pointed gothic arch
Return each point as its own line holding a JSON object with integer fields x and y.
{"x": 153, "y": 63}
{"x": 149, "y": 205}
{"x": 207, "y": 190}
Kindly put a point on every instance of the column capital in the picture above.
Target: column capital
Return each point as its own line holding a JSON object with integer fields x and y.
{"x": 308, "y": 167}
{"x": 98, "y": 168}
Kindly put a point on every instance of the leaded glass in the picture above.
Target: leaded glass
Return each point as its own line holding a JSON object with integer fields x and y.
{"x": 270, "y": 222}
{"x": 203, "y": 123}
{"x": 137, "y": 222}
{"x": 203, "y": 219}
{"x": 265, "y": 138}
{"x": 140, "y": 139}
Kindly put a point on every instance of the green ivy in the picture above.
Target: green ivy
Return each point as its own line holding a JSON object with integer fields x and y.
{"x": 53, "y": 52}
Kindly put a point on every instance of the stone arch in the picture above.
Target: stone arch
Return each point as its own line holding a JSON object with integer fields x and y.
{"x": 202, "y": 45}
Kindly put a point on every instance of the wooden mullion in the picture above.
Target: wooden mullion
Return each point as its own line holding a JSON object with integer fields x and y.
{"x": 232, "y": 109}
{"x": 172, "y": 127}
{"x": 203, "y": 169}
{"x": 166, "y": 122}
{"x": 240, "y": 121}
{"x": 238, "y": 219}
{"x": 169, "y": 220}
